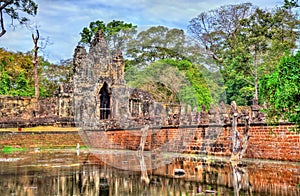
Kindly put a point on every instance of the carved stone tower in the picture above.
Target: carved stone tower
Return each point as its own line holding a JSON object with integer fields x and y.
{"x": 100, "y": 90}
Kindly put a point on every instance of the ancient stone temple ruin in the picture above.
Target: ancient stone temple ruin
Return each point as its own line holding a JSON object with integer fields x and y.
{"x": 98, "y": 97}
{"x": 102, "y": 100}
{"x": 101, "y": 96}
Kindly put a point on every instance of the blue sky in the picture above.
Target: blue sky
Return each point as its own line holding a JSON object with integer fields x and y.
{"x": 61, "y": 21}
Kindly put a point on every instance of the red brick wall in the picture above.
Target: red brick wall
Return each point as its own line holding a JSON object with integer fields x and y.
{"x": 266, "y": 142}
{"x": 274, "y": 142}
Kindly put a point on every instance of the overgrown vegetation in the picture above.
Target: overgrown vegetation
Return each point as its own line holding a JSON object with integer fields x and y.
{"x": 16, "y": 74}
{"x": 281, "y": 90}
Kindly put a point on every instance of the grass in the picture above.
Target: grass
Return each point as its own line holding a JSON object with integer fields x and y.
{"x": 39, "y": 129}
{"x": 9, "y": 149}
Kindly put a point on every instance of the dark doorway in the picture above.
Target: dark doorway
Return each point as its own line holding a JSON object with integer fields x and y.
{"x": 104, "y": 101}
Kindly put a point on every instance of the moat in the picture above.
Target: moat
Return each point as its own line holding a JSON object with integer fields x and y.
{"x": 83, "y": 172}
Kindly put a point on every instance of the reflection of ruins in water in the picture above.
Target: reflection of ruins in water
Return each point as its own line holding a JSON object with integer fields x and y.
{"x": 65, "y": 173}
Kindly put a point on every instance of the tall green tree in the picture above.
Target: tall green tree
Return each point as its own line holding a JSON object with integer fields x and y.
{"x": 157, "y": 43}
{"x": 171, "y": 81}
{"x": 117, "y": 33}
{"x": 15, "y": 9}
{"x": 245, "y": 42}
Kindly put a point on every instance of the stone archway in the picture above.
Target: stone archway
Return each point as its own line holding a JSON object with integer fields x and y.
{"x": 105, "y": 101}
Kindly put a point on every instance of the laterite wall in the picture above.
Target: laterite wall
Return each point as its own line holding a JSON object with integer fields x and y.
{"x": 266, "y": 142}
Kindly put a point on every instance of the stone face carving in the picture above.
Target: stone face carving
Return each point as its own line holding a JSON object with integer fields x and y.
{"x": 98, "y": 84}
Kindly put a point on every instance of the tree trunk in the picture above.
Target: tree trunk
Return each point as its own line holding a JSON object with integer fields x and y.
{"x": 255, "y": 77}
{"x": 35, "y": 63}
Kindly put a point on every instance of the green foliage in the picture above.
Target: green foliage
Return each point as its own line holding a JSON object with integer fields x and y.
{"x": 116, "y": 33}
{"x": 17, "y": 75}
{"x": 52, "y": 75}
{"x": 21, "y": 87}
{"x": 171, "y": 81}
{"x": 246, "y": 43}
{"x": 239, "y": 91}
{"x": 157, "y": 43}
{"x": 282, "y": 91}
{"x": 290, "y": 4}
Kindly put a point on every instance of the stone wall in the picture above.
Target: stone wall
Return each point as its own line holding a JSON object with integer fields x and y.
{"x": 266, "y": 142}
{"x": 27, "y": 112}
{"x": 40, "y": 139}
{"x": 16, "y": 107}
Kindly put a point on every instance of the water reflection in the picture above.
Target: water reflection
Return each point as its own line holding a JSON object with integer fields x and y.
{"x": 66, "y": 173}
{"x": 240, "y": 178}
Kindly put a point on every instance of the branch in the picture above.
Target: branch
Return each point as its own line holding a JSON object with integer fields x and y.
{"x": 5, "y": 3}
{"x": 2, "y": 24}
{"x": 249, "y": 81}
{"x": 214, "y": 56}
{"x": 35, "y": 39}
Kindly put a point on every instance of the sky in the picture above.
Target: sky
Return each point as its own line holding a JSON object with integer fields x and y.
{"x": 61, "y": 21}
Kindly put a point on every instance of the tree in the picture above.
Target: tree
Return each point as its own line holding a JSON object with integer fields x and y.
{"x": 157, "y": 43}
{"x": 116, "y": 33}
{"x": 290, "y": 3}
{"x": 14, "y": 67}
{"x": 245, "y": 43}
{"x": 53, "y": 74}
{"x": 14, "y": 8}
{"x": 4, "y": 83}
{"x": 267, "y": 35}
{"x": 35, "y": 40}
{"x": 17, "y": 71}
{"x": 21, "y": 87}
{"x": 217, "y": 32}
{"x": 171, "y": 81}
{"x": 282, "y": 92}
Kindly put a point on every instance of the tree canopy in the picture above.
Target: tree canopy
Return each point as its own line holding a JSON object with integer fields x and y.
{"x": 246, "y": 42}
{"x": 281, "y": 90}
{"x": 157, "y": 43}
{"x": 17, "y": 71}
{"x": 116, "y": 33}
{"x": 172, "y": 81}
{"x": 15, "y": 9}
